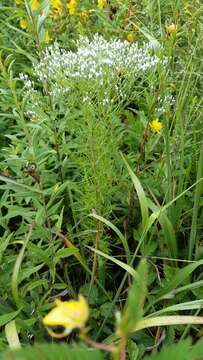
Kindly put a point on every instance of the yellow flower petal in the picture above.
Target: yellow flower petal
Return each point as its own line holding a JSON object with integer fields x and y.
{"x": 69, "y": 314}
{"x": 172, "y": 28}
{"x": 156, "y": 126}
{"x": 130, "y": 37}
{"x": 35, "y": 4}
{"x": 72, "y": 6}
{"x": 57, "y": 7}
{"x": 23, "y": 24}
{"x": 84, "y": 15}
{"x": 101, "y": 4}
{"x": 47, "y": 37}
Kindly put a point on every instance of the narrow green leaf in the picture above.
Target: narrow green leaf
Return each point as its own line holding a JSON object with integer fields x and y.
{"x": 4, "y": 319}
{"x": 167, "y": 228}
{"x": 16, "y": 269}
{"x": 170, "y": 286}
{"x": 124, "y": 266}
{"x": 140, "y": 193}
{"x": 198, "y": 194}
{"x": 12, "y": 335}
{"x": 116, "y": 230}
{"x": 133, "y": 310}
{"x": 189, "y": 305}
{"x": 168, "y": 320}
{"x": 18, "y": 184}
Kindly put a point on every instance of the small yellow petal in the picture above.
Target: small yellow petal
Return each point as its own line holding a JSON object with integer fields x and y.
{"x": 57, "y": 7}
{"x": 72, "y": 6}
{"x": 84, "y": 15}
{"x": 35, "y": 4}
{"x": 23, "y": 24}
{"x": 101, "y": 4}
{"x": 47, "y": 37}
{"x": 172, "y": 28}
{"x": 156, "y": 126}
{"x": 130, "y": 37}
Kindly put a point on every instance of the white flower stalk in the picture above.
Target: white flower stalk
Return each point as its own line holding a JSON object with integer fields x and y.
{"x": 93, "y": 59}
{"x": 98, "y": 62}
{"x": 99, "y": 71}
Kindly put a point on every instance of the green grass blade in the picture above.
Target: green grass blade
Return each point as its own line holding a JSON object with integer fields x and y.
{"x": 124, "y": 266}
{"x": 140, "y": 193}
{"x": 198, "y": 193}
{"x": 116, "y": 230}
{"x": 16, "y": 269}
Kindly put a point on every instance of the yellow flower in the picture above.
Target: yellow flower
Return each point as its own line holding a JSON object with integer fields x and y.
{"x": 84, "y": 15}
{"x": 101, "y": 4}
{"x": 47, "y": 37}
{"x": 23, "y": 24}
{"x": 35, "y": 4}
{"x": 57, "y": 7}
{"x": 193, "y": 30}
{"x": 130, "y": 37}
{"x": 68, "y": 314}
{"x": 156, "y": 125}
{"x": 172, "y": 28}
{"x": 72, "y": 5}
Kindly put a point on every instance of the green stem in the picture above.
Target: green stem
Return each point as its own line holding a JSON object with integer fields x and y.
{"x": 198, "y": 192}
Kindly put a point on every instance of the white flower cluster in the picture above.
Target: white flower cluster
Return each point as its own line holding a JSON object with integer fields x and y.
{"x": 101, "y": 69}
{"x": 98, "y": 60}
{"x": 164, "y": 103}
{"x": 29, "y": 85}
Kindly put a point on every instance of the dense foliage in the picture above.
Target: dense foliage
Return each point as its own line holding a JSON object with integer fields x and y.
{"x": 101, "y": 169}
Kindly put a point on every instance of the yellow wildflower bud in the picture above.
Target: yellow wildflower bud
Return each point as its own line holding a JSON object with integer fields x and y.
{"x": 193, "y": 30}
{"x": 35, "y": 4}
{"x": 171, "y": 29}
{"x": 47, "y": 37}
{"x": 23, "y": 24}
{"x": 101, "y": 4}
{"x": 70, "y": 315}
{"x": 130, "y": 37}
{"x": 156, "y": 126}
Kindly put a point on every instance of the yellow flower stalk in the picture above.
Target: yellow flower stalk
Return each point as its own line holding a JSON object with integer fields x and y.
{"x": 101, "y": 4}
{"x": 156, "y": 126}
{"x": 23, "y": 24}
{"x": 70, "y": 315}
{"x": 72, "y": 6}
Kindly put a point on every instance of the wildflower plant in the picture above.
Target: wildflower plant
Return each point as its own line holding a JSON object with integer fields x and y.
{"x": 100, "y": 165}
{"x": 96, "y": 79}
